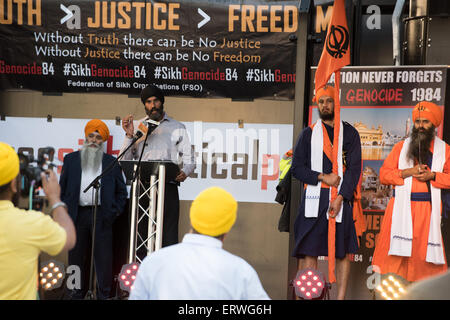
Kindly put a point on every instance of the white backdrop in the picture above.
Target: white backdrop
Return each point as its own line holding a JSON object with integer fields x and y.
{"x": 246, "y": 160}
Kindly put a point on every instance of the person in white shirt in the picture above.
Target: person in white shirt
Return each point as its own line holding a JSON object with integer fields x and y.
{"x": 198, "y": 267}
{"x": 168, "y": 141}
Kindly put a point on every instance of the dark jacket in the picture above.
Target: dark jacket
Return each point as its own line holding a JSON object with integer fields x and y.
{"x": 113, "y": 192}
{"x": 284, "y": 197}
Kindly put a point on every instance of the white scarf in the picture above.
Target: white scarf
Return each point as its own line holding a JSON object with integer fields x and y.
{"x": 312, "y": 196}
{"x": 402, "y": 229}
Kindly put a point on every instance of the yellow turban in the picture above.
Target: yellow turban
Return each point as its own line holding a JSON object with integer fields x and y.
{"x": 99, "y": 126}
{"x": 324, "y": 91}
{"x": 213, "y": 212}
{"x": 428, "y": 110}
{"x": 9, "y": 163}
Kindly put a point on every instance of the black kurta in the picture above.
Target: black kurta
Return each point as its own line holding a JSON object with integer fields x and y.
{"x": 311, "y": 234}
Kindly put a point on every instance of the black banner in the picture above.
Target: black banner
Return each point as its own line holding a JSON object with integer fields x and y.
{"x": 189, "y": 48}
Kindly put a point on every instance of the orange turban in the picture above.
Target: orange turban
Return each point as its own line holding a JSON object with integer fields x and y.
{"x": 428, "y": 110}
{"x": 99, "y": 126}
{"x": 324, "y": 91}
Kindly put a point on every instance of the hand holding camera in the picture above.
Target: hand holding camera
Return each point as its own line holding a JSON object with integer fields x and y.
{"x": 51, "y": 186}
{"x": 31, "y": 169}
{"x": 33, "y": 173}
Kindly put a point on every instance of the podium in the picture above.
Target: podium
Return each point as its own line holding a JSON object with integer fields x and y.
{"x": 148, "y": 185}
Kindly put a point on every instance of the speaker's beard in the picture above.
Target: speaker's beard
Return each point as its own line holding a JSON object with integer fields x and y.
{"x": 155, "y": 113}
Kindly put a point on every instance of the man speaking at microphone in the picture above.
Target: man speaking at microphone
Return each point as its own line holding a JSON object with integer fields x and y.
{"x": 169, "y": 141}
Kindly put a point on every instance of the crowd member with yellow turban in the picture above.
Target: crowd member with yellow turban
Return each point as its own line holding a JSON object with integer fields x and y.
{"x": 312, "y": 164}
{"x": 198, "y": 267}
{"x": 418, "y": 168}
{"x": 80, "y": 168}
{"x": 24, "y": 234}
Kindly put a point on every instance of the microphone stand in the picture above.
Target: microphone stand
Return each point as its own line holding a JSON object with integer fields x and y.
{"x": 96, "y": 185}
{"x": 138, "y": 166}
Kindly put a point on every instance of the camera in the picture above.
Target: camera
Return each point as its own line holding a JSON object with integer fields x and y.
{"x": 30, "y": 172}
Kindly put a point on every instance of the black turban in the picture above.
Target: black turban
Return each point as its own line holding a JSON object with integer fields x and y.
{"x": 152, "y": 91}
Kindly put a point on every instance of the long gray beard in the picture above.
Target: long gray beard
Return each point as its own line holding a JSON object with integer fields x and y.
{"x": 91, "y": 158}
{"x": 425, "y": 138}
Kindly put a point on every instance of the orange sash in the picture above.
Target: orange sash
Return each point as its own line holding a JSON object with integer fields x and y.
{"x": 358, "y": 216}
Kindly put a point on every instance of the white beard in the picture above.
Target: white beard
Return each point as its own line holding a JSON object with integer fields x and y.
{"x": 91, "y": 157}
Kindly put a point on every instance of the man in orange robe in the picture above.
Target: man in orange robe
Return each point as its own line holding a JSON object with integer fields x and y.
{"x": 410, "y": 240}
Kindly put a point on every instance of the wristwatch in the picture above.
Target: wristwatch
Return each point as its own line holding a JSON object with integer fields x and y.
{"x": 58, "y": 204}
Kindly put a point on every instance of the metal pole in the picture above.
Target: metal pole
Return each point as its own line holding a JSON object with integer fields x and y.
{"x": 160, "y": 209}
{"x": 396, "y": 31}
{"x": 301, "y": 85}
{"x": 90, "y": 293}
{"x": 416, "y": 33}
{"x": 151, "y": 215}
{"x": 133, "y": 224}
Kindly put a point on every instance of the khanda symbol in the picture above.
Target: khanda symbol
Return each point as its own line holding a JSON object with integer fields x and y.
{"x": 337, "y": 41}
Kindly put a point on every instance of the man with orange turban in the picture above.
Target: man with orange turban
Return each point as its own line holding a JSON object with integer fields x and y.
{"x": 312, "y": 164}
{"x": 80, "y": 168}
{"x": 410, "y": 240}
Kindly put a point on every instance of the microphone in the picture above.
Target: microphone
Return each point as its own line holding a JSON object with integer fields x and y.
{"x": 137, "y": 135}
{"x": 144, "y": 126}
{"x": 152, "y": 123}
